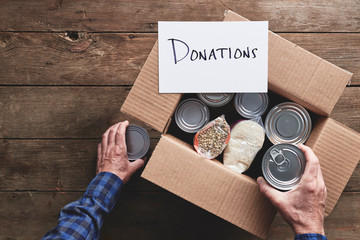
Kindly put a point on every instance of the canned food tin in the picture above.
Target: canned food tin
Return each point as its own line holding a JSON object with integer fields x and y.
{"x": 288, "y": 122}
{"x": 215, "y": 99}
{"x": 191, "y": 115}
{"x": 251, "y": 105}
{"x": 283, "y": 165}
{"x": 137, "y": 142}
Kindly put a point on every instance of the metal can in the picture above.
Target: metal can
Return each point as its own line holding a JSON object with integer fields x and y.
{"x": 251, "y": 105}
{"x": 288, "y": 122}
{"x": 191, "y": 115}
{"x": 137, "y": 142}
{"x": 215, "y": 99}
{"x": 283, "y": 166}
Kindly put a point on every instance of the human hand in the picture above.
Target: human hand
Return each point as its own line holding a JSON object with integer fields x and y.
{"x": 112, "y": 153}
{"x": 303, "y": 206}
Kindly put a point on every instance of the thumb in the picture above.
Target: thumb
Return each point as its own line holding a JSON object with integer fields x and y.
{"x": 269, "y": 192}
{"x": 136, "y": 165}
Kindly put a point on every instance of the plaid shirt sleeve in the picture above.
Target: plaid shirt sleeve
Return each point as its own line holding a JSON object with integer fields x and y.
{"x": 310, "y": 236}
{"x": 83, "y": 218}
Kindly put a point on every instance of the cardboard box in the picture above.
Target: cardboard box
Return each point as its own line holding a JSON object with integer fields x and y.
{"x": 293, "y": 73}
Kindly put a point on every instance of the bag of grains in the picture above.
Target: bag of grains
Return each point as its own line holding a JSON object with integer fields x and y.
{"x": 247, "y": 138}
{"x": 211, "y": 140}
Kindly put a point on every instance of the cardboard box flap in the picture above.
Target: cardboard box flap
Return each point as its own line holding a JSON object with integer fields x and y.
{"x": 144, "y": 101}
{"x": 176, "y": 167}
{"x": 338, "y": 150}
{"x": 300, "y": 75}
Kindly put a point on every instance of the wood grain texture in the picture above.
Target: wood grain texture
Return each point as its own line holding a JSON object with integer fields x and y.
{"x": 61, "y": 112}
{"x": 86, "y": 112}
{"x": 85, "y": 55}
{"x": 161, "y": 215}
{"x": 69, "y": 165}
{"x": 55, "y": 165}
{"x": 117, "y": 58}
{"x": 56, "y": 59}
{"x": 142, "y": 16}
{"x": 349, "y": 99}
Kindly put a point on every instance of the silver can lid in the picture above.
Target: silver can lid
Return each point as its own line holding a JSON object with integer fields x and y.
{"x": 191, "y": 115}
{"x": 251, "y": 105}
{"x": 288, "y": 122}
{"x": 137, "y": 142}
{"x": 283, "y": 165}
{"x": 215, "y": 99}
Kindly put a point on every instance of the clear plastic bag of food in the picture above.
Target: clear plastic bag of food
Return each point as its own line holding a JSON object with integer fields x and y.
{"x": 212, "y": 139}
{"x": 247, "y": 138}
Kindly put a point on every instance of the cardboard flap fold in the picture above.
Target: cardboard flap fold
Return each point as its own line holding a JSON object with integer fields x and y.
{"x": 338, "y": 150}
{"x": 176, "y": 167}
{"x": 300, "y": 75}
{"x": 144, "y": 101}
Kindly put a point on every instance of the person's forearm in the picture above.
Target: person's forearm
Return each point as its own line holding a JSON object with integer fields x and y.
{"x": 83, "y": 218}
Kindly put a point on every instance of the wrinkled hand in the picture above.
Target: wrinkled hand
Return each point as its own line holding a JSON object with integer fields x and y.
{"x": 112, "y": 153}
{"x": 302, "y": 207}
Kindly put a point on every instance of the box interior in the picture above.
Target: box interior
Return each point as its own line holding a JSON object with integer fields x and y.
{"x": 232, "y": 117}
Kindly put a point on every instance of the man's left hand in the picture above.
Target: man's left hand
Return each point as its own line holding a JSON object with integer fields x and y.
{"x": 112, "y": 153}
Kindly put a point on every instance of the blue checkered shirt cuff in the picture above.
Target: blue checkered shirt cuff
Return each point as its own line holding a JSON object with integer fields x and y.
{"x": 105, "y": 188}
{"x": 310, "y": 236}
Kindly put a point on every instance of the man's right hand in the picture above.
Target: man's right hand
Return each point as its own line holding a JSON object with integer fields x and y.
{"x": 302, "y": 207}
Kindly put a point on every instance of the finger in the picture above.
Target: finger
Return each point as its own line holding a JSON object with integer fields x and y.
{"x": 309, "y": 154}
{"x": 320, "y": 177}
{"x": 119, "y": 137}
{"x": 112, "y": 133}
{"x": 104, "y": 139}
{"x": 136, "y": 165}
{"x": 312, "y": 162}
{"x": 122, "y": 136}
{"x": 99, "y": 158}
{"x": 271, "y": 193}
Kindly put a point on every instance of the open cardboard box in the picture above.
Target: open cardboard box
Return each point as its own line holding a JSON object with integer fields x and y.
{"x": 294, "y": 73}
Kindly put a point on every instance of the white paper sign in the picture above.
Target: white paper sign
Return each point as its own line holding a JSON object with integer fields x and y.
{"x": 211, "y": 57}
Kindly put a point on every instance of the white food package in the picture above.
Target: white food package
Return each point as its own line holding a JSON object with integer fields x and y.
{"x": 246, "y": 139}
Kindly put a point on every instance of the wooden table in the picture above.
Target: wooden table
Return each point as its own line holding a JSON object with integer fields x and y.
{"x": 65, "y": 70}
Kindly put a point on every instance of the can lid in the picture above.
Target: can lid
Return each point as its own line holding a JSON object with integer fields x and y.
{"x": 288, "y": 123}
{"x": 250, "y": 105}
{"x": 191, "y": 115}
{"x": 283, "y": 165}
{"x": 137, "y": 142}
{"x": 215, "y": 99}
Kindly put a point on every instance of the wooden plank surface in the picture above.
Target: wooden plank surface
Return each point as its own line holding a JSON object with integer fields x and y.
{"x": 347, "y": 109}
{"x": 66, "y": 68}
{"x": 61, "y": 112}
{"x": 54, "y": 165}
{"x": 142, "y": 16}
{"x": 86, "y": 112}
{"x": 56, "y": 59}
{"x": 68, "y": 165}
{"x": 149, "y": 215}
{"x": 116, "y": 58}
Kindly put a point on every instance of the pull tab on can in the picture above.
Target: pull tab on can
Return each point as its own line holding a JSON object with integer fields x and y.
{"x": 278, "y": 157}
{"x": 283, "y": 165}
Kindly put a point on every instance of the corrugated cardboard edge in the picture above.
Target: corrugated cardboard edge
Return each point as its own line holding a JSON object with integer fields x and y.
{"x": 144, "y": 101}
{"x": 338, "y": 150}
{"x": 292, "y": 67}
{"x": 176, "y": 167}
